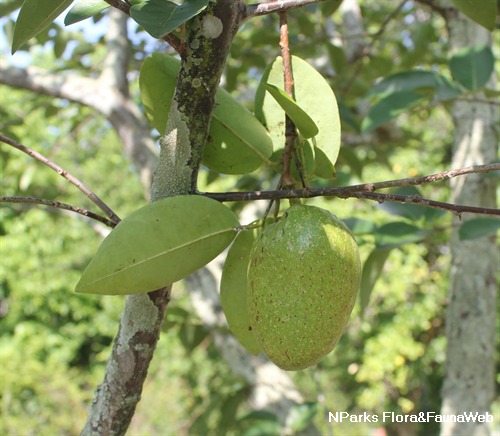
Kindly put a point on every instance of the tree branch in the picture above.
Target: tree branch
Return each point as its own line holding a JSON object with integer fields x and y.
{"x": 65, "y": 174}
{"x": 457, "y": 209}
{"x": 124, "y": 115}
{"x": 367, "y": 191}
{"x": 59, "y": 205}
{"x": 116, "y": 60}
{"x": 287, "y": 180}
{"x": 209, "y": 41}
{"x": 272, "y": 7}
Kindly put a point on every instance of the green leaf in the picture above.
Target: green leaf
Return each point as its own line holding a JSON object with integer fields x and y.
{"x": 314, "y": 95}
{"x": 372, "y": 269}
{"x": 34, "y": 17}
{"x": 233, "y": 290}
{"x": 390, "y": 107}
{"x": 159, "y": 244}
{"x": 191, "y": 335}
{"x": 237, "y": 143}
{"x": 328, "y": 8}
{"x": 307, "y": 127}
{"x": 478, "y": 227}
{"x": 472, "y": 66}
{"x": 398, "y": 233}
{"x": 349, "y": 156}
{"x": 414, "y": 81}
{"x": 305, "y": 154}
{"x": 482, "y": 12}
{"x": 84, "y": 9}
{"x": 160, "y": 17}
{"x": 259, "y": 423}
{"x": 229, "y": 409}
{"x": 359, "y": 226}
{"x": 157, "y": 81}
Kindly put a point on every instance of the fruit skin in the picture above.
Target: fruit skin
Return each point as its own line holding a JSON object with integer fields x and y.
{"x": 304, "y": 275}
{"x": 234, "y": 289}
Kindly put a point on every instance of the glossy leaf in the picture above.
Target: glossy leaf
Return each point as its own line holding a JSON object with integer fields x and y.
{"x": 398, "y": 233}
{"x": 482, "y": 12}
{"x": 34, "y": 17}
{"x": 84, "y": 9}
{"x": 390, "y": 107}
{"x": 372, "y": 268}
{"x": 237, "y": 142}
{"x": 314, "y": 95}
{"x": 478, "y": 227}
{"x": 306, "y": 126}
{"x": 160, "y": 17}
{"x": 157, "y": 81}
{"x": 159, "y": 244}
{"x": 472, "y": 66}
{"x": 233, "y": 290}
{"x": 416, "y": 80}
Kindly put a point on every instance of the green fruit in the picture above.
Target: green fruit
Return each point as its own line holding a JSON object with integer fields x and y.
{"x": 233, "y": 290}
{"x": 303, "y": 278}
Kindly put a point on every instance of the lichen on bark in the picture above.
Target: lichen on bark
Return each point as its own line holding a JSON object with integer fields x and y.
{"x": 182, "y": 147}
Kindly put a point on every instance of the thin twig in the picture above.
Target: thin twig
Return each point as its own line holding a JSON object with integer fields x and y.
{"x": 271, "y": 7}
{"x": 340, "y": 193}
{"x": 62, "y": 172}
{"x": 445, "y": 175}
{"x": 59, "y": 205}
{"x": 173, "y": 40}
{"x": 456, "y": 209}
{"x": 290, "y": 130}
{"x": 367, "y": 191}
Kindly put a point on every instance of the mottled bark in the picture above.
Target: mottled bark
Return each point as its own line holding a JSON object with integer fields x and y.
{"x": 470, "y": 319}
{"x": 207, "y": 47}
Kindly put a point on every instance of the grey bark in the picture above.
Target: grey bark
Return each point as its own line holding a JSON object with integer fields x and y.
{"x": 470, "y": 319}
{"x": 187, "y": 129}
{"x": 353, "y": 30}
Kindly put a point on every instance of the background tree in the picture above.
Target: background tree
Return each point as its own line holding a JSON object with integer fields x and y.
{"x": 381, "y": 337}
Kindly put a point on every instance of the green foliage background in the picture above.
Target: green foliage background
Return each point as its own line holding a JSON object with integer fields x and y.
{"x": 54, "y": 343}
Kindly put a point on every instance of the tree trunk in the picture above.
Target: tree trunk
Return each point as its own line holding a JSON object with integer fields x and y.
{"x": 470, "y": 318}
{"x": 180, "y": 156}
